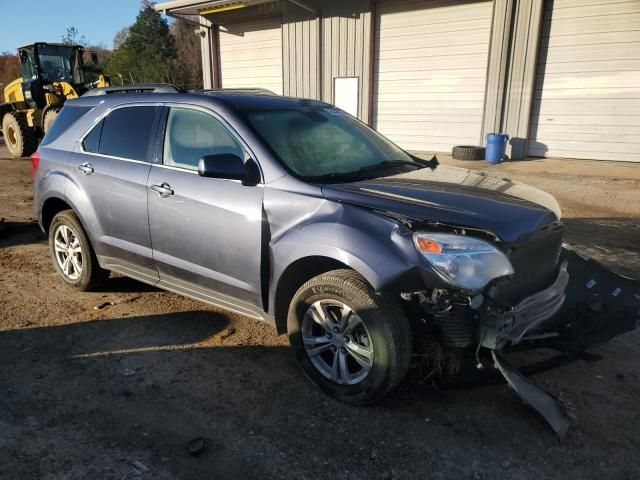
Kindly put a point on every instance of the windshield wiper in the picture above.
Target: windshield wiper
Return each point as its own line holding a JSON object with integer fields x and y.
{"x": 388, "y": 163}
{"x": 361, "y": 172}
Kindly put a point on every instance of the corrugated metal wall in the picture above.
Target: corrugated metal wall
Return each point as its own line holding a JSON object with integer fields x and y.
{"x": 319, "y": 48}
{"x": 346, "y": 48}
{"x": 300, "y": 52}
{"x": 521, "y": 80}
{"x": 511, "y": 71}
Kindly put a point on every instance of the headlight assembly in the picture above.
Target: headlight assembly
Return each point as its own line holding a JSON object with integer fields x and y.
{"x": 461, "y": 261}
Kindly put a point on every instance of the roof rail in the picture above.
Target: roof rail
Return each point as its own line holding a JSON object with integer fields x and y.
{"x": 135, "y": 88}
{"x": 254, "y": 91}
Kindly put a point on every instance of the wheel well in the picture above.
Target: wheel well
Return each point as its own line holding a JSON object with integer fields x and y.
{"x": 292, "y": 279}
{"x": 51, "y": 207}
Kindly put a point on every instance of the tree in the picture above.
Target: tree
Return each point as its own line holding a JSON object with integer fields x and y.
{"x": 73, "y": 37}
{"x": 120, "y": 37}
{"x": 187, "y": 65}
{"x": 9, "y": 70}
{"x": 147, "y": 53}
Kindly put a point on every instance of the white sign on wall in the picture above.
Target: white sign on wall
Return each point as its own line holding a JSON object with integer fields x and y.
{"x": 345, "y": 94}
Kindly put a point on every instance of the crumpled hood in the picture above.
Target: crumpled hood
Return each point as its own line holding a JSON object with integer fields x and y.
{"x": 455, "y": 196}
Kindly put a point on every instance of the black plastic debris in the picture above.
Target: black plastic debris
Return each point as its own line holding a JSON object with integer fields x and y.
{"x": 535, "y": 397}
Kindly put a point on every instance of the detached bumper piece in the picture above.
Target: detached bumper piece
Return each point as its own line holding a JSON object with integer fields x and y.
{"x": 538, "y": 399}
{"x": 597, "y": 305}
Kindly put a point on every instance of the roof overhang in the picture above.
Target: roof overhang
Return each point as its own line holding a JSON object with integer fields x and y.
{"x": 195, "y": 7}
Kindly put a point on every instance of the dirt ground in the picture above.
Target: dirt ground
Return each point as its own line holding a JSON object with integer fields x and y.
{"x": 118, "y": 392}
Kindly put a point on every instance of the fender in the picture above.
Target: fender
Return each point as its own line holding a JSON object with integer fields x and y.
{"x": 387, "y": 253}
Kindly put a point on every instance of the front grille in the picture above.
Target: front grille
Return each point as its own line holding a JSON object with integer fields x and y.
{"x": 535, "y": 263}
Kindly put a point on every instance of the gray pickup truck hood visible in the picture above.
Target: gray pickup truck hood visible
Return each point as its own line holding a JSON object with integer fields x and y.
{"x": 454, "y": 196}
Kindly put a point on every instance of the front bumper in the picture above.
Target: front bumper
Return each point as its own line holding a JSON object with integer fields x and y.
{"x": 586, "y": 306}
{"x": 500, "y": 327}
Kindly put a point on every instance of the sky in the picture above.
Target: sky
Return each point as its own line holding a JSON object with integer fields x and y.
{"x": 28, "y": 21}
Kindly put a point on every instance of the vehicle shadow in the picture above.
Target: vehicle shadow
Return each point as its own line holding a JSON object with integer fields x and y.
{"x": 142, "y": 387}
{"x": 19, "y": 233}
{"x": 121, "y": 284}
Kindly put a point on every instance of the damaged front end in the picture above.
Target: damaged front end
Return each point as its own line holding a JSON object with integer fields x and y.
{"x": 583, "y": 305}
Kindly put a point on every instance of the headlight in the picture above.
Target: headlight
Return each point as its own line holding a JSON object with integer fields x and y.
{"x": 464, "y": 262}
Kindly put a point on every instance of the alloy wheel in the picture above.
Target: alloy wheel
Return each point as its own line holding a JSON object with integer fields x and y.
{"x": 337, "y": 342}
{"x": 68, "y": 252}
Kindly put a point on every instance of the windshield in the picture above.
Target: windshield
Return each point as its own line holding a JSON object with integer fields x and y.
{"x": 324, "y": 142}
{"x": 59, "y": 63}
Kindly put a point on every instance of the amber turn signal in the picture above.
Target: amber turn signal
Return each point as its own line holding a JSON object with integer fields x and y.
{"x": 426, "y": 245}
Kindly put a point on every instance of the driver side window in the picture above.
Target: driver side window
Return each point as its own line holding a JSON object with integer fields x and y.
{"x": 191, "y": 134}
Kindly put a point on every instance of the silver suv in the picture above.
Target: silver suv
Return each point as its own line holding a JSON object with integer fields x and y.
{"x": 293, "y": 212}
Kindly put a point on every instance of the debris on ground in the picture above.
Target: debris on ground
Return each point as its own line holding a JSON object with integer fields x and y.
{"x": 197, "y": 446}
{"x": 227, "y": 333}
{"x": 129, "y": 366}
{"x": 141, "y": 467}
{"x": 100, "y": 306}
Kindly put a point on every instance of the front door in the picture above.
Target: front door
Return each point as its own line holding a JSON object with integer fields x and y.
{"x": 205, "y": 232}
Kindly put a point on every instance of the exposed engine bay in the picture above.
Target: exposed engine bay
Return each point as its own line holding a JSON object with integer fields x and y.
{"x": 584, "y": 306}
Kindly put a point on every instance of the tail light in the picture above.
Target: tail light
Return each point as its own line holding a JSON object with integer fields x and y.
{"x": 35, "y": 161}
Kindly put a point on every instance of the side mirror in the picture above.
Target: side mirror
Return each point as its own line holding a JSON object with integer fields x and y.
{"x": 230, "y": 167}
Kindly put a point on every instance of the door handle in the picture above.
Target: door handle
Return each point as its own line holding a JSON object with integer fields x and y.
{"x": 86, "y": 168}
{"x": 164, "y": 189}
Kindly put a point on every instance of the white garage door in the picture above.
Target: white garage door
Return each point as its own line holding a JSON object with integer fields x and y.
{"x": 430, "y": 71}
{"x": 587, "y": 102}
{"x": 251, "y": 55}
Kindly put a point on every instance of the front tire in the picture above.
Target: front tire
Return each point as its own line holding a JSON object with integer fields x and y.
{"x": 72, "y": 254}
{"x": 352, "y": 342}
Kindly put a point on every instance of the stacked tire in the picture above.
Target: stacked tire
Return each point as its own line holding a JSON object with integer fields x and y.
{"x": 468, "y": 152}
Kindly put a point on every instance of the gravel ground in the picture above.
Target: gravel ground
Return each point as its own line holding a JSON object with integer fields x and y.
{"x": 118, "y": 392}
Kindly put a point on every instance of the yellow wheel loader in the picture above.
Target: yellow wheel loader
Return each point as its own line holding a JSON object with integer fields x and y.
{"x": 51, "y": 74}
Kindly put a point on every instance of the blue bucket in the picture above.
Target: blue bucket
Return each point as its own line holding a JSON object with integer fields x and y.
{"x": 496, "y": 146}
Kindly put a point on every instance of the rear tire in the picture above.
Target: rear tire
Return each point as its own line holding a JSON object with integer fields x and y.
{"x": 72, "y": 254}
{"x": 49, "y": 117}
{"x": 20, "y": 138}
{"x": 373, "y": 343}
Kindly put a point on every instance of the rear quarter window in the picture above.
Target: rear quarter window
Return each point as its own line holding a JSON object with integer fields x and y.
{"x": 65, "y": 118}
{"x": 91, "y": 141}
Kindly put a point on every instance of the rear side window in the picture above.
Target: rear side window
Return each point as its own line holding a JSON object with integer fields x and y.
{"x": 65, "y": 118}
{"x": 130, "y": 133}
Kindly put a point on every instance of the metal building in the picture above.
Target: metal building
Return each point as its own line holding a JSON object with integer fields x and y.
{"x": 561, "y": 77}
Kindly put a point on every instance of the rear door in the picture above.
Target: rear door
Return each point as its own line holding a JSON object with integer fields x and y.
{"x": 206, "y": 232}
{"x": 110, "y": 169}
